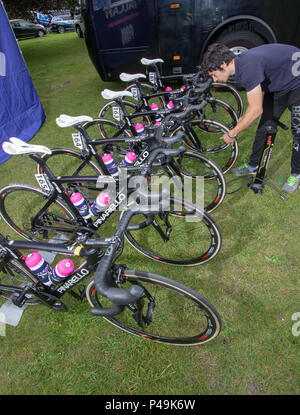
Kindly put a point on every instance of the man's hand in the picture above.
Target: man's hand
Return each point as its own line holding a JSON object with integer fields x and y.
{"x": 228, "y": 140}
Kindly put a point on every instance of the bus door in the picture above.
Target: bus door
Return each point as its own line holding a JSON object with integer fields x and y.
{"x": 175, "y": 32}
{"x": 123, "y": 31}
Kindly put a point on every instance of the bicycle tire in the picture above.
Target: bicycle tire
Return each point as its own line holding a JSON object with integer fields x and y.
{"x": 182, "y": 328}
{"x": 220, "y": 111}
{"x": 214, "y": 184}
{"x": 185, "y": 242}
{"x": 236, "y": 101}
{"x": 222, "y": 154}
{"x": 149, "y": 89}
{"x": 107, "y": 112}
{"x": 68, "y": 166}
{"x": 31, "y": 198}
{"x": 68, "y": 162}
{"x": 108, "y": 128}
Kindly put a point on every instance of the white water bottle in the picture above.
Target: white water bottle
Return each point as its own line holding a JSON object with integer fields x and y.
{"x": 101, "y": 202}
{"x": 39, "y": 267}
{"x": 81, "y": 205}
{"x": 110, "y": 164}
{"x": 63, "y": 269}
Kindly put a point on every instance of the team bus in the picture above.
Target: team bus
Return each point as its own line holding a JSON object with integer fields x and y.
{"x": 118, "y": 33}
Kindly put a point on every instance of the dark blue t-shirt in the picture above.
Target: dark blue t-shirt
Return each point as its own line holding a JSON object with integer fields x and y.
{"x": 275, "y": 66}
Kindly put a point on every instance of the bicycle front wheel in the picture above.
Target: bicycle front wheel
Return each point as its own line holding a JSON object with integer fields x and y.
{"x": 26, "y": 209}
{"x": 220, "y": 111}
{"x": 184, "y": 235}
{"x": 228, "y": 93}
{"x": 169, "y": 312}
{"x": 200, "y": 175}
{"x": 204, "y": 137}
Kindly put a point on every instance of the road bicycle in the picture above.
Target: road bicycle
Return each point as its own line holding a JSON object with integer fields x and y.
{"x": 187, "y": 166}
{"x": 183, "y": 235}
{"x": 141, "y": 303}
{"x": 215, "y": 109}
{"x": 200, "y": 134}
{"x": 157, "y": 82}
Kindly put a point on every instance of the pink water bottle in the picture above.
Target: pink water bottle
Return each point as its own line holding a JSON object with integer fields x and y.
{"x": 158, "y": 118}
{"x": 110, "y": 164}
{"x": 81, "y": 204}
{"x": 129, "y": 158}
{"x": 63, "y": 269}
{"x": 39, "y": 267}
{"x": 139, "y": 128}
{"x": 100, "y": 203}
{"x": 170, "y": 104}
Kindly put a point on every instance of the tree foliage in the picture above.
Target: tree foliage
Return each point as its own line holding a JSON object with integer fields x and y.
{"x": 20, "y": 9}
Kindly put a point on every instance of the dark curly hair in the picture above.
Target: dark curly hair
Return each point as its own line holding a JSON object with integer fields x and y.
{"x": 215, "y": 55}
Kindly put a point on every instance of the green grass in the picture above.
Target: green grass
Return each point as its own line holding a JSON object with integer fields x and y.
{"x": 253, "y": 282}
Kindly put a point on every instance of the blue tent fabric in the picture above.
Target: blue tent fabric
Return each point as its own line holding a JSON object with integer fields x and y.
{"x": 21, "y": 112}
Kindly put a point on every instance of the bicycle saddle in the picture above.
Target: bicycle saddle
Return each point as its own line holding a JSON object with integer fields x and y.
{"x": 67, "y": 121}
{"x": 108, "y": 94}
{"x": 126, "y": 77}
{"x": 18, "y": 146}
{"x": 147, "y": 62}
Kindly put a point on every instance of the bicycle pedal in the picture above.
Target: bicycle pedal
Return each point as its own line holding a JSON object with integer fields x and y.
{"x": 18, "y": 299}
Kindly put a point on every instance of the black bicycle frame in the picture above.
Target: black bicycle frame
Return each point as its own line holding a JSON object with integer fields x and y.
{"x": 10, "y": 249}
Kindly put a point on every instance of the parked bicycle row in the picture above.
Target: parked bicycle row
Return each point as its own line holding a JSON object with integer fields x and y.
{"x": 130, "y": 163}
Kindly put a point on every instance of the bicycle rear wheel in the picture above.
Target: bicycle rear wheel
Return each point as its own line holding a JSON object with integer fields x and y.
{"x": 101, "y": 128}
{"x": 169, "y": 313}
{"x": 69, "y": 162}
{"x": 22, "y": 204}
{"x": 185, "y": 235}
{"x": 148, "y": 89}
{"x": 107, "y": 128}
{"x": 112, "y": 111}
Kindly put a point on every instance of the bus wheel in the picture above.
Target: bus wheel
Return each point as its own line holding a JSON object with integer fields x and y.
{"x": 79, "y": 32}
{"x": 240, "y": 41}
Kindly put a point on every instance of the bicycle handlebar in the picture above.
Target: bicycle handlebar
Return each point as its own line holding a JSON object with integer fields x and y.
{"x": 105, "y": 285}
{"x": 103, "y": 282}
{"x": 179, "y": 116}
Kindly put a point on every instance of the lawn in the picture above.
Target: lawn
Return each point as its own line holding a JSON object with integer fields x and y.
{"x": 253, "y": 281}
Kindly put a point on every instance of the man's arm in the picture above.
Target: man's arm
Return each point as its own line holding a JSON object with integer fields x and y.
{"x": 253, "y": 111}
